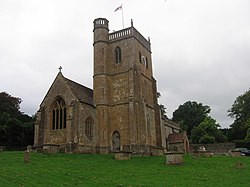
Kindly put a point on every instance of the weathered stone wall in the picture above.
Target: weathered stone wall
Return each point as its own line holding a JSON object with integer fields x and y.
{"x": 218, "y": 148}
{"x": 58, "y": 88}
{"x": 119, "y": 121}
{"x": 80, "y": 137}
{"x": 124, "y": 92}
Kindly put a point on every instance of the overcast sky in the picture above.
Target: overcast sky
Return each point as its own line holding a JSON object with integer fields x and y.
{"x": 200, "y": 48}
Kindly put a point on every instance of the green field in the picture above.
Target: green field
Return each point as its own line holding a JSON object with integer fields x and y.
{"x": 103, "y": 170}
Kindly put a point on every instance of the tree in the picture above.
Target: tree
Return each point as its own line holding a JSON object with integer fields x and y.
{"x": 16, "y": 128}
{"x": 207, "y": 139}
{"x": 9, "y": 104}
{"x": 163, "y": 110}
{"x": 207, "y": 132}
{"x": 240, "y": 111}
{"x": 162, "y": 107}
{"x": 190, "y": 115}
{"x": 248, "y": 134}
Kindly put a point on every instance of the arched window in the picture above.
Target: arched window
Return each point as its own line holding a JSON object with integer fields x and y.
{"x": 58, "y": 114}
{"x": 118, "y": 55}
{"x": 89, "y": 127}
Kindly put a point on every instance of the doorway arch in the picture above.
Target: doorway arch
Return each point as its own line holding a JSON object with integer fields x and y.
{"x": 116, "y": 141}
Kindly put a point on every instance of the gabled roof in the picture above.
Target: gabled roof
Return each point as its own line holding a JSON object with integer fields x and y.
{"x": 82, "y": 93}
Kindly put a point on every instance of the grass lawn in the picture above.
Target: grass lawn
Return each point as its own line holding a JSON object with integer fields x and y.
{"x": 103, "y": 170}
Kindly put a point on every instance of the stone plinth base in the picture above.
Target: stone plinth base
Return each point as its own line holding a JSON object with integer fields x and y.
{"x": 203, "y": 154}
{"x": 122, "y": 155}
{"x": 49, "y": 149}
{"x": 174, "y": 158}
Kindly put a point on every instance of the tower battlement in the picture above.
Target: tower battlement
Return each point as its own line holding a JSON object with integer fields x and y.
{"x": 121, "y": 34}
{"x": 129, "y": 32}
{"x": 101, "y": 23}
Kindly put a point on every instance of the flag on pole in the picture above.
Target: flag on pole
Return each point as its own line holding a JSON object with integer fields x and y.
{"x": 118, "y": 8}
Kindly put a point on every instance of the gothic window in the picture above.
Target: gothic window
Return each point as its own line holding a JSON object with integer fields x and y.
{"x": 118, "y": 55}
{"x": 89, "y": 127}
{"x": 58, "y": 114}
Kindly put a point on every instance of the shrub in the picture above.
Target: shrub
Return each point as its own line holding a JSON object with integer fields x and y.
{"x": 207, "y": 139}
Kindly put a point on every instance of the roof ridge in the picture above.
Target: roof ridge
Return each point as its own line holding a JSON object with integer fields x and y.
{"x": 67, "y": 79}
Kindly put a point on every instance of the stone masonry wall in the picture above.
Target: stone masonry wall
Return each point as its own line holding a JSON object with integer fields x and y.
{"x": 218, "y": 148}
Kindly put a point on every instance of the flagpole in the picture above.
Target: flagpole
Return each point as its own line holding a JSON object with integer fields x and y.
{"x": 121, "y": 8}
{"x": 122, "y": 19}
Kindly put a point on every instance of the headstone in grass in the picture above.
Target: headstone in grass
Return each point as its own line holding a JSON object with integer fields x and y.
{"x": 26, "y": 156}
{"x": 122, "y": 155}
{"x": 1, "y": 149}
{"x": 239, "y": 165}
{"x": 174, "y": 158}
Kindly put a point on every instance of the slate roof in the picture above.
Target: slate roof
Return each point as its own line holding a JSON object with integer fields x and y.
{"x": 83, "y": 93}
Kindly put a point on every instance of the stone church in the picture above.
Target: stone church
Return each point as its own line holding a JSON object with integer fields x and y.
{"x": 121, "y": 113}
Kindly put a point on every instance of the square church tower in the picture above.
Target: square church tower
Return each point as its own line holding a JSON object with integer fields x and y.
{"x": 124, "y": 90}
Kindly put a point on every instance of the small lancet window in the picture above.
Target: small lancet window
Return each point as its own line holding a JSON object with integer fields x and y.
{"x": 118, "y": 55}
{"x": 58, "y": 114}
{"x": 89, "y": 127}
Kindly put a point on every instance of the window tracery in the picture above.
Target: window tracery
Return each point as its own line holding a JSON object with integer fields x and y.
{"x": 58, "y": 114}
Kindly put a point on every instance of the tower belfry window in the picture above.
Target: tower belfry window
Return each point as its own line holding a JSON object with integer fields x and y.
{"x": 118, "y": 55}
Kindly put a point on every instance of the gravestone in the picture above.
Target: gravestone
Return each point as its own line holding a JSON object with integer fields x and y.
{"x": 26, "y": 156}
{"x": 174, "y": 158}
{"x": 122, "y": 155}
{"x": 1, "y": 149}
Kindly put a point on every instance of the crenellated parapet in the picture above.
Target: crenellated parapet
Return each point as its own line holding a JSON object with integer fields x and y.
{"x": 102, "y": 23}
{"x": 129, "y": 32}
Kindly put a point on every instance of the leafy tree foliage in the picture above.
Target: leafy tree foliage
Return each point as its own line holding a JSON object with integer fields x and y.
{"x": 248, "y": 135}
{"x": 207, "y": 139}
{"x": 190, "y": 115}
{"x": 207, "y": 132}
{"x": 16, "y": 128}
{"x": 9, "y": 104}
{"x": 163, "y": 110}
{"x": 240, "y": 111}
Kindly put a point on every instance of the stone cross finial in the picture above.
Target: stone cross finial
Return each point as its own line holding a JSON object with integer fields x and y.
{"x": 60, "y": 69}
